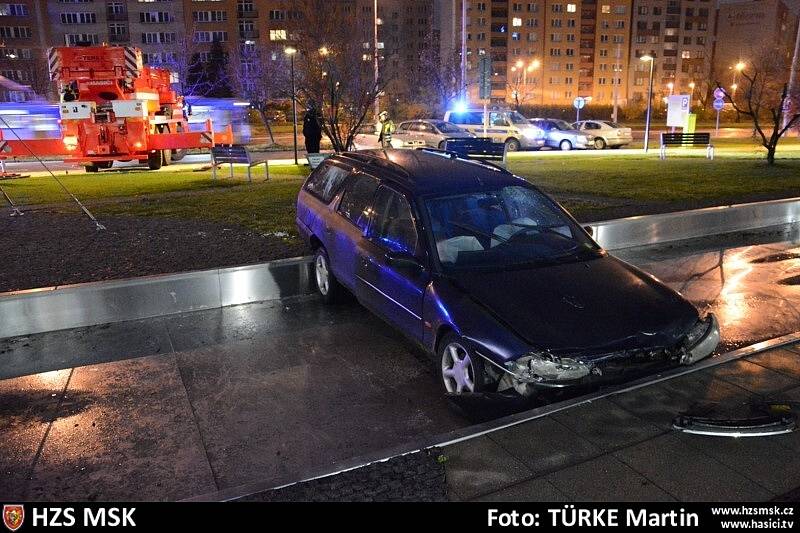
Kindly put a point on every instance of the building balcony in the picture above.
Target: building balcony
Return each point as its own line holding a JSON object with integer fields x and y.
{"x": 247, "y": 13}
{"x": 119, "y": 38}
{"x": 248, "y": 34}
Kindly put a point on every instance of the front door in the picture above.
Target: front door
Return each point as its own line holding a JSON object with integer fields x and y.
{"x": 393, "y": 291}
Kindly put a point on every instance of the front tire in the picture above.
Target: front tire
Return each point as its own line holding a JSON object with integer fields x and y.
{"x": 600, "y": 143}
{"x": 565, "y": 145}
{"x": 327, "y": 284}
{"x": 154, "y": 160}
{"x": 462, "y": 371}
{"x": 512, "y": 145}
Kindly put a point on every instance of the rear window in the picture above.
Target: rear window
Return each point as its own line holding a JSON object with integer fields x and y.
{"x": 325, "y": 182}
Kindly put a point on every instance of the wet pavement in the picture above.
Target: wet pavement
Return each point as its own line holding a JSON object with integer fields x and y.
{"x": 180, "y": 406}
{"x": 623, "y": 448}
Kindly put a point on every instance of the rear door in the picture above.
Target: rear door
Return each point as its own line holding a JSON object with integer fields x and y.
{"x": 395, "y": 293}
{"x": 349, "y": 224}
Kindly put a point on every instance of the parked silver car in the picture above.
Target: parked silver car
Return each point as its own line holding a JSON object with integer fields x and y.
{"x": 559, "y": 134}
{"x": 428, "y": 133}
{"x": 605, "y": 133}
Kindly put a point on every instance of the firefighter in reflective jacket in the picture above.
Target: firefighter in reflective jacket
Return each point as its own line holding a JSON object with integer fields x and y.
{"x": 385, "y": 130}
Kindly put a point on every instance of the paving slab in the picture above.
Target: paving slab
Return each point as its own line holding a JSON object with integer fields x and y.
{"x": 697, "y": 393}
{"x": 783, "y": 360}
{"x": 606, "y": 425}
{"x": 752, "y": 377}
{"x": 480, "y": 466}
{"x": 532, "y": 490}
{"x": 689, "y": 474}
{"x": 761, "y": 459}
{"x": 57, "y": 350}
{"x": 124, "y": 431}
{"x": 28, "y": 405}
{"x": 606, "y": 479}
{"x": 545, "y": 445}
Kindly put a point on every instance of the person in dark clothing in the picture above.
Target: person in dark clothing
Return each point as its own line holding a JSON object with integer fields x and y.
{"x": 312, "y": 130}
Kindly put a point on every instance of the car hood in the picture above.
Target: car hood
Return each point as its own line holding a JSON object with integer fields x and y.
{"x": 587, "y": 307}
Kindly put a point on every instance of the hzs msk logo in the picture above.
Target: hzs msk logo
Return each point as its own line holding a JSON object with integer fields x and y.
{"x": 13, "y": 515}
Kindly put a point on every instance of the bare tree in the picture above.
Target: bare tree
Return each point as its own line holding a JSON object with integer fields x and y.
{"x": 259, "y": 75}
{"x": 439, "y": 76}
{"x": 185, "y": 59}
{"x": 334, "y": 69}
{"x": 763, "y": 95}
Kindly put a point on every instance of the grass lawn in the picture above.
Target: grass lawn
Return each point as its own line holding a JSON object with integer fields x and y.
{"x": 738, "y": 174}
{"x": 110, "y": 184}
{"x": 676, "y": 179}
{"x": 267, "y": 207}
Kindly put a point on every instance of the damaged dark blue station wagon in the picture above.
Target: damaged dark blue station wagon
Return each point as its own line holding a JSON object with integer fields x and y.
{"x": 488, "y": 273}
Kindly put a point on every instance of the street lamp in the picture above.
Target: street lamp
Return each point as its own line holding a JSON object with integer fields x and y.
{"x": 670, "y": 86}
{"x": 652, "y": 61}
{"x": 291, "y": 51}
{"x": 692, "y": 86}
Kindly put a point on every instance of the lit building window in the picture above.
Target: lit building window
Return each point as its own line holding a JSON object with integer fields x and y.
{"x": 516, "y": 21}
{"x": 605, "y": 8}
{"x": 277, "y": 35}
{"x": 571, "y": 8}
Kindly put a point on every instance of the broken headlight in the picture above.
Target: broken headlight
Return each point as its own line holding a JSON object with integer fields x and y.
{"x": 698, "y": 331}
{"x": 542, "y": 366}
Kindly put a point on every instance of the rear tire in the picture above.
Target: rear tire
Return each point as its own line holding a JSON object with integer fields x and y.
{"x": 91, "y": 167}
{"x": 512, "y": 145}
{"x": 600, "y": 143}
{"x": 565, "y": 145}
{"x": 154, "y": 160}
{"x": 327, "y": 284}
{"x": 462, "y": 370}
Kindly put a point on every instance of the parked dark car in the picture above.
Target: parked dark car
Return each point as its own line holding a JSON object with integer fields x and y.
{"x": 487, "y": 272}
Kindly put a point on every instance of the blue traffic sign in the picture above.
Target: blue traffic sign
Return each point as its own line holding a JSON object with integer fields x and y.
{"x": 719, "y": 103}
{"x": 719, "y": 94}
{"x": 579, "y": 102}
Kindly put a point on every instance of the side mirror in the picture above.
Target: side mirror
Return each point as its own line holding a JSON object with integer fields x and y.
{"x": 589, "y": 230}
{"x": 404, "y": 260}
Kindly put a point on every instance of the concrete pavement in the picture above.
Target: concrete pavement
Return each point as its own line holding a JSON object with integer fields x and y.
{"x": 623, "y": 448}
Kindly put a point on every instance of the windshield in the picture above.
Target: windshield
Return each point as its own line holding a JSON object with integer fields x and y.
{"x": 516, "y": 118}
{"x": 447, "y": 127}
{"x": 507, "y": 227}
{"x": 562, "y": 124}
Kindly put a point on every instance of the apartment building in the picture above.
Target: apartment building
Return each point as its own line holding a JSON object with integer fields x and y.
{"x": 679, "y": 36}
{"x": 744, "y": 27}
{"x": 22, "y": 44}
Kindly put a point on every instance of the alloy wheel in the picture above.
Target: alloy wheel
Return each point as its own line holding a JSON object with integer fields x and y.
{"x": 458, "y": 372}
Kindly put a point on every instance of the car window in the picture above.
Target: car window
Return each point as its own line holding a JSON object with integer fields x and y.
{"x": 356, "y": 199}
{"x": 405, "y": 126}
{"x": 393, "y": 224}
{"x": 471, "y": 118}
{"x": 425, "y": 128}
{"x": 592, "y": 126}
{"x": 448, "y": 127}
{"x": 325, "y": 181}
{"x": 503, "y": 227}
{"x": 497, "y": 119}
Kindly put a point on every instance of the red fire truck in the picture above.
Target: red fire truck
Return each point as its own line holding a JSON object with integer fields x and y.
{"x": 115, "y": 108}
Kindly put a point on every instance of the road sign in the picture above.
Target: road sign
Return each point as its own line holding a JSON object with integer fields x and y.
{"x": 677, "y": 110}
{"x": 579, "y": 102}
{"x": 719, "y": 94}
{"x": 485, "y": 77}
{"x": 719, "y": 103}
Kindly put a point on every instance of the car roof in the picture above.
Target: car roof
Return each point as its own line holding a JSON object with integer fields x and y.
{"x": 427, "y": 172}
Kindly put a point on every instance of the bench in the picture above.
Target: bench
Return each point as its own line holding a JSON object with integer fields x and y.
{"x": 686, "y": 139}
{"x": 477, "y": 148}
{"x": 235, "y": 155}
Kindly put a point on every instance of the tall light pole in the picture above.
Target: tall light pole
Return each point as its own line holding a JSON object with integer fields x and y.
{"x": 793, "y": 103}
{"x": 652, "y": 60}
{"x": 691, "y": 98}
{"x": 291, "y": 51}
{"x": 375, "y": 59}
{"x": 464, "y": 51}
